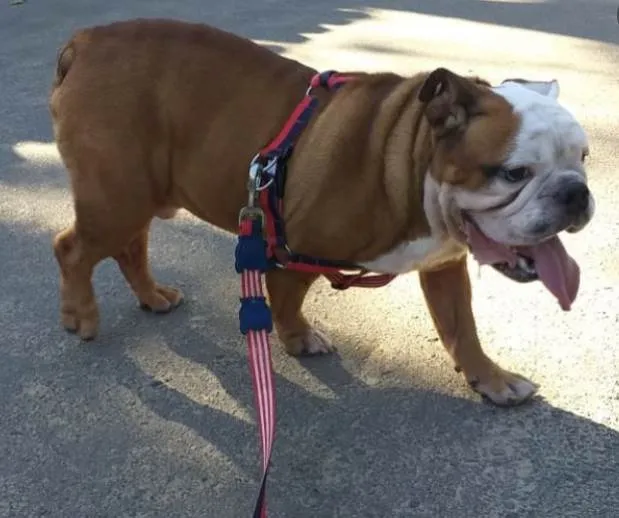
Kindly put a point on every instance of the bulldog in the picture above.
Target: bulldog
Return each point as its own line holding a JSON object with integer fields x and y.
{"x": 396, "y": 174}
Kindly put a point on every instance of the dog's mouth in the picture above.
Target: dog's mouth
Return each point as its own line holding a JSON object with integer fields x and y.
{"x": 523, "y": 270}
{"x": 547, "y": 261}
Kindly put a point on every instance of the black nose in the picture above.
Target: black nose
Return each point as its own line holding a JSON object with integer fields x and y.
{"x": 575, "y": 197}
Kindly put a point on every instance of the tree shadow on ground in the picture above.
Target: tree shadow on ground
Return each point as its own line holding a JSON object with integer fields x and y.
{"x": 28, "y": 63}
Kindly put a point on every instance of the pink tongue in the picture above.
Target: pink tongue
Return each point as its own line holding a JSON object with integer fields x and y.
{"x": 555, "y": 268}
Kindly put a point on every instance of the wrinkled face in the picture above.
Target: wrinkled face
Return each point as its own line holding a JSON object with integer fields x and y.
{"x": 509, "y": 174}
{"x": 538, "y": 188}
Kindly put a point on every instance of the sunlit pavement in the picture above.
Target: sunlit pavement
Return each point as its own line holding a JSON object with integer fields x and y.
{"x": 155, "y": 418}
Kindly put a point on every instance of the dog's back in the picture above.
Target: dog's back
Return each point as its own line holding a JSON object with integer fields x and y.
{"x": 164, "y": 104}
{"x": 149, "y": 116}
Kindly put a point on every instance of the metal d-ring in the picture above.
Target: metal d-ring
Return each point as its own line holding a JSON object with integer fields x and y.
{"x": 266, "y": 185}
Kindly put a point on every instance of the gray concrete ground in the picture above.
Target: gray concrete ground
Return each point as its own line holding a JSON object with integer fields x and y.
{"x": 155, "y": 419}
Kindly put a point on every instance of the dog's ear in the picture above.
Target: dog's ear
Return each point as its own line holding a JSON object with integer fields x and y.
{"x": 450, "y": 100}
{"x": 546, "y": 88}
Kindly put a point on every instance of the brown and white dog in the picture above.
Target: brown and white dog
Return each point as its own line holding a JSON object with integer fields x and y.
{"x": 395, "y": 173}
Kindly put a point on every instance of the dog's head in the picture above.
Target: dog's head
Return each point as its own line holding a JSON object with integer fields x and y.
{"x": 508, "y": 167}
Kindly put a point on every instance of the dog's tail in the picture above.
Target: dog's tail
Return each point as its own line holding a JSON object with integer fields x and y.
{"x": 66, "y": 56}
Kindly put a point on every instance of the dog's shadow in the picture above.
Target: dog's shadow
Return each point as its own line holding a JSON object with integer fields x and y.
{"x": 368, "y": 451}
{"x": 345, "y": 448}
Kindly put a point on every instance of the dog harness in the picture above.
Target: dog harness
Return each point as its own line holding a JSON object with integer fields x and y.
{"x": 267, "y": 178}
{"x": 262, "y": 246}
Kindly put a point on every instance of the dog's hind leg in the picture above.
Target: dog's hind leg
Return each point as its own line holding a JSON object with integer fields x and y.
{"x": 77, "y": 258}
{"x": 111, "y": 220}
{"x": 133, "y": 262}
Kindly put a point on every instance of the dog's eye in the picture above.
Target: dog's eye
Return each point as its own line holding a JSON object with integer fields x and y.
{"x": 518, "y": 174}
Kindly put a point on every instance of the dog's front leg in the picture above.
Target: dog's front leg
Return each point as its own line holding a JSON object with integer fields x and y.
{"x": 448, "y": 294}
{"x": 287, "y": 290}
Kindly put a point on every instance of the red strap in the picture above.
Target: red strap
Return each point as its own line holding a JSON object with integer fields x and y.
{"x": 338, "y": 80}
{"x": 269, "y": 222}
{"x": 360, "y": 280}
{"x": 332, "y": 82}
{"x": 294, "y": 116}
{"x": 342, "y": 280}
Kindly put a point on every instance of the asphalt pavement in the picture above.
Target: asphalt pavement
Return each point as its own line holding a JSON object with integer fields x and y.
{"x": 155, "y": 418}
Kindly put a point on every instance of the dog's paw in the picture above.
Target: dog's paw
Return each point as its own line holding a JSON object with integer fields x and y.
{"x": 162, "y": 299}
{"x": 311, "y": 343}
{"x": 84, "y": 323}
{"x": 501, "y": 387}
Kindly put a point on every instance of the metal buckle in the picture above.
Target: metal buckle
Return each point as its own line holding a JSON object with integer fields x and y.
{"x": 251, "y": 210}
{"x": 253, "y": 183}
{"x": 251, "y": 213}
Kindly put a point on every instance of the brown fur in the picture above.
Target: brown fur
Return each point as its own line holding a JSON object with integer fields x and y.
{"x": 150, "y": 116}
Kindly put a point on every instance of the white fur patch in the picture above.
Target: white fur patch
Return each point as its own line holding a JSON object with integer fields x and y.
{"x": 550, "y": 143}
{"x": 424, "y": 252}
{"x": 405, "y": 257}
{"x": 549, "y": 136}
